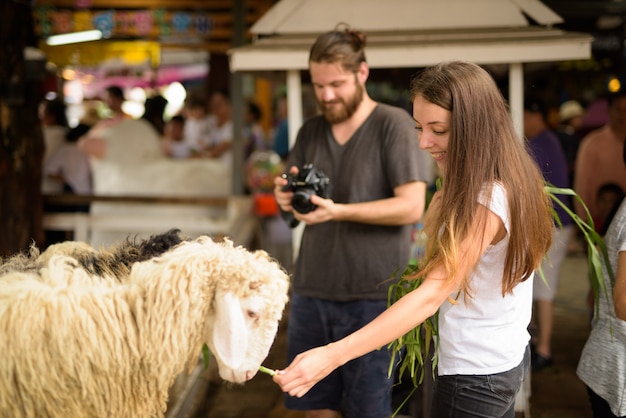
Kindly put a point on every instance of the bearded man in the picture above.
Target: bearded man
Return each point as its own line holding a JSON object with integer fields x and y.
{"x": 357, "y": 235}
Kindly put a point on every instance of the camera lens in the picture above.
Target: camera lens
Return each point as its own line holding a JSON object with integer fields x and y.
{"x": 301, "y": 201}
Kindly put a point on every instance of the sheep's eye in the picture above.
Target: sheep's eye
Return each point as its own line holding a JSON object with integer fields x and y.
{"x": 252, "y": 314}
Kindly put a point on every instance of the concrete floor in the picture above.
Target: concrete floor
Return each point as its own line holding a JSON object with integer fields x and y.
{"x": 555, "y": 393}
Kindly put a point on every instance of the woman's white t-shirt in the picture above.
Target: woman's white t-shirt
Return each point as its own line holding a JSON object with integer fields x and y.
{"x": 486, "y": 333}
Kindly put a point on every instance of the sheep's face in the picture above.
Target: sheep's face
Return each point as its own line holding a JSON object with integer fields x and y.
{"x": 242, "y": 336}
{"x": 246, "y": 319}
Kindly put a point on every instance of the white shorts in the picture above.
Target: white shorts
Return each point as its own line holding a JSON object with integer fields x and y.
{"x": 551, "y": 264}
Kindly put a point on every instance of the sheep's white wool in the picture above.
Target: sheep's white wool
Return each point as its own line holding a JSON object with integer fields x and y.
{"x": 78, "y": 346}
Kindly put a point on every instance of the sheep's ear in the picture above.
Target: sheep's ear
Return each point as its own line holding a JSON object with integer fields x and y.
{"x": 230, "y": 336}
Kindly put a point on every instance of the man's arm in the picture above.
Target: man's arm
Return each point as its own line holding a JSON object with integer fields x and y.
{"x": 405, "y": 207}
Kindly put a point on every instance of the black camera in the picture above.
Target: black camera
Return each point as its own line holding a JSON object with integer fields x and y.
{"x": 306, "y": 183}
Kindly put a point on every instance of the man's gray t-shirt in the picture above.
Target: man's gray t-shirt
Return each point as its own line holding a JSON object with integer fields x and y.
{"x": 345, "y": 261}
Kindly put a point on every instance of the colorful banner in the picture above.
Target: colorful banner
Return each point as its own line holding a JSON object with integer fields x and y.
{"x": 91, "y": 54}
{"x": 121, "y": 23}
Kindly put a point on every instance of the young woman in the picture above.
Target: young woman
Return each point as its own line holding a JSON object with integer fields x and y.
{"x": 489, "y": 227}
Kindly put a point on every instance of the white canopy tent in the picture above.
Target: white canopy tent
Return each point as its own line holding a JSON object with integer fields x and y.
{"x": 412, "y": 34}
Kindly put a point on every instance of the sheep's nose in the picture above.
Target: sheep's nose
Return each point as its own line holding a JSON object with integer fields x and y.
{"x": 250, "y": 374}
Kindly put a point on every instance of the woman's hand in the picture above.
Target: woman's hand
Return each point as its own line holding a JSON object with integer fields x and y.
{"x": 307, "y": 369}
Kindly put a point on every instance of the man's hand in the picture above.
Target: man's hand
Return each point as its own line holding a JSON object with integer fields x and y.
{"x": 326, "y": 211}
{"x": 283, "y": 198}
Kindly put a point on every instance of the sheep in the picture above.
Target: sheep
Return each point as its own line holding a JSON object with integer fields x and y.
{"x": 79, "y": 342}
{"x": 113, "y": 263}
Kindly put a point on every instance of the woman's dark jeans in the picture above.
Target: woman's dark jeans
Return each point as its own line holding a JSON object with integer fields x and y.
{"x": 480, "y": 396}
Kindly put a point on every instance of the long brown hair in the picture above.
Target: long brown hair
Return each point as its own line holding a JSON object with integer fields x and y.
{"x": 483, "y": 148}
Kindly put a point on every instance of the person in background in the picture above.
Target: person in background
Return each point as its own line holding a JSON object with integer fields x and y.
{"x": 154, "y": 108}
{"x": 488, "y": 228}
{"x": 69, "y": 165}
{"x": 221, "y": 133}
{"x": 114, "y": 99}
{"x": 173, "y": 141}
{"x": 54, "y": 126}
{"x": 602, "y": 364}
{"x": 545, "y": 147}
{"x": 253, "y": 134}
{"x": 599, "y": 158}
{"x": 357, "y": 237}
{"x": 92, "y": 143}
{"x": 198, "y": 125}
{"x": 280, "y": 143}
{"x": 120, "y": 137}
{"x": 571, "y": 119}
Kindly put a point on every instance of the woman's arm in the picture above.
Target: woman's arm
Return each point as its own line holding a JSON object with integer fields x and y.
{"x": 311, "y": 366}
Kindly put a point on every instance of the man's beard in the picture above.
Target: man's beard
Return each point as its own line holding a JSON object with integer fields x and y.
{"x": 342, "y": 109}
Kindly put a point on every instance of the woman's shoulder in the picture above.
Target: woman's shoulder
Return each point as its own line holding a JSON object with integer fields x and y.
{"x": 494, "y": 196}
{"x": 495, "y": 189}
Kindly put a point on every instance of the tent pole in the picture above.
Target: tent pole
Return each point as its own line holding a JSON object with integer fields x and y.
{"x": 516, "y": 96}
{"x": 294, "y": 104}
{"x": 295, "y": 119}
{"x": 237, "y": 103}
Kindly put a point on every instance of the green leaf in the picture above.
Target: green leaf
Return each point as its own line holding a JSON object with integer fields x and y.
{"x": 415, "y": 346}
{"x": 596, "y": 247}
{"x": 206, "y": 355}
{"x": 265, "y": 370}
